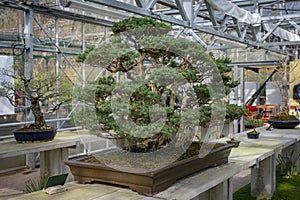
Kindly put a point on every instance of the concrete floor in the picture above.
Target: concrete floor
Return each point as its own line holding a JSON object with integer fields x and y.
{"x": 12, "y": 184}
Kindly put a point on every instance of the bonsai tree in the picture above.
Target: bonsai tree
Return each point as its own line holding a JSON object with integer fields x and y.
{"x": 284, "y": 69}
{"x": 283, "y": 119}
{"x": 155, "y": 66}
{"x": 37, "y": 89}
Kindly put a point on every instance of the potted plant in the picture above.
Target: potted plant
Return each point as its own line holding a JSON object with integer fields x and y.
{"x": 36, "y": 89}
{"x": 252, "y": 122}
{"x": 254, "y": 134}
{"x": 283, "y": 119}
{"x": 234, "y": 141}
{"x": 234, "y": 112}
{"x": 162, "y": 101}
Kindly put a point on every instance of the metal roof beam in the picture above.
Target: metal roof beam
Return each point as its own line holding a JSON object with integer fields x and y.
{"x": 96, "y": 9}
{"x": 140, "y": 3}
{"x": 57, "y": 13}
{"x": 280, "y": 17}
{"x": 286, "y": 43}
{"x": 254, "y": 63}
{"x": 140, "y": 11}
{"x": 211, "y": 14}
{"x": 146, "y": 9}
{"x": 182, "y": 10}
{"x": 172, "y": 20}
{"x": 41, "y": 49}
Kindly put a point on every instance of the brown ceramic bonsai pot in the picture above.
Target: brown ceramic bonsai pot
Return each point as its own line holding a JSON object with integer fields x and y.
{"x": 233, "y": 141}
{"x": 147, "y": 183}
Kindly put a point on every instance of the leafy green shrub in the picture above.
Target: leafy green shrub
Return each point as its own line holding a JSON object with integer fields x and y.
{"x": 287, "y": 164}
{"x": 32, "y": 185}
{"x": 253, "y": 123}
{"x": 235, "y": 112}
{"x": 284, "y": 116}
{"x": 134, "y": 23}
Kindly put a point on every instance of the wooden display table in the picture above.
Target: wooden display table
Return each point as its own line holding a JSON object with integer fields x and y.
{"x": 211, "y": 184}
{"x": 53, "y": 153}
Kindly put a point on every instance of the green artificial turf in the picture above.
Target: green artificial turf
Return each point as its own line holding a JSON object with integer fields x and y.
{"x": 286, "y": 189}
{"x": 243, "y": 194}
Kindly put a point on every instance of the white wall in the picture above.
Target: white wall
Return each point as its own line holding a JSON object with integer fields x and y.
{"x": 6, "y": 62}
{"x": 250, "y": 89}
{"x": 273, "y": 95}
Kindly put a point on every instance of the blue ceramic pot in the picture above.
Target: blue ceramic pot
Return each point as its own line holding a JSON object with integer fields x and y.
{"x": 252, "y": 135}
{"x": 31, "y": 136}
{"x": 284, "y": 124}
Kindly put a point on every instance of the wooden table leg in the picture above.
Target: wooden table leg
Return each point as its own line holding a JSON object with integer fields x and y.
{"x": 263, "y": 178}
{"x": 52, "y": 162}
{"x": 222, "y": 191}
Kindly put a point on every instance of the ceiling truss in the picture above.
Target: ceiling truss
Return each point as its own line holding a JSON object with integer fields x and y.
{"x": 211, "y": 26}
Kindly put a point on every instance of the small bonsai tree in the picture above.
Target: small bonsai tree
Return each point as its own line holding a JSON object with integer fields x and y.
{"x": 283, "y": 69}
{"x": 134, "y": 51}
{"x": 41, "y": 87}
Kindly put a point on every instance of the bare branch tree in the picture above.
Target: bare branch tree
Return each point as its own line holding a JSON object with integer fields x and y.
{"x": 36, "y": 90}
{"x": 284, "y": 70}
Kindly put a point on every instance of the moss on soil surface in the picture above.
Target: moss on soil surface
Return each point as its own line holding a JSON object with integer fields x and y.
{"x": 283, "y": 116}
{"x": 119, "y": 158}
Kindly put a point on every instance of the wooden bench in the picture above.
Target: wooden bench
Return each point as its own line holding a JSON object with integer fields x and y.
{"x": 211, "y": 184}
{"x": 53, "y": 153}
{"x": 257, "y": 154}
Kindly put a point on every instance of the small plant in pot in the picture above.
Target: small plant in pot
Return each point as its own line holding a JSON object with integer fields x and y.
{"x": 254, "y": 134}
{"x": 283, "y": 120}
{"x": 37, "y": 89}
{"x": 234, "y": 112}
{"x": 234, "y": 141}
{"x": 253, "y": 123}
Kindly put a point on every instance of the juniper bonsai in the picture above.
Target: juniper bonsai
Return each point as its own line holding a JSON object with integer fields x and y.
{"x": 135, "y": 55}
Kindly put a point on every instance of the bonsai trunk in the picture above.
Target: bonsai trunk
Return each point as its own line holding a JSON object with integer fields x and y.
{"x": 39, "y": 121}
{"x": 284, "y": 108}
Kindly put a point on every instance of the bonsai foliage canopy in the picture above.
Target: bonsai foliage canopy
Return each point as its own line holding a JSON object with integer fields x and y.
{"x": 170, "y": 83}
{"x": 36, "y": 88}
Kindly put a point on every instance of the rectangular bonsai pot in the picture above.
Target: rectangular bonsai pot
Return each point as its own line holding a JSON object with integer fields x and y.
{"x": 148, "y": 183}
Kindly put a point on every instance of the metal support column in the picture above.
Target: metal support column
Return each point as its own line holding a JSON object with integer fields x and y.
{"x": 236, "y": 96}
{"x": 57, "y": 63}
{"x": 28, "y": 70}
{"x": 28, "y": 32}
{"x": 189, "y": 10}
{"x": 83, "y": 26}
{"x": 242, "y": 86}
